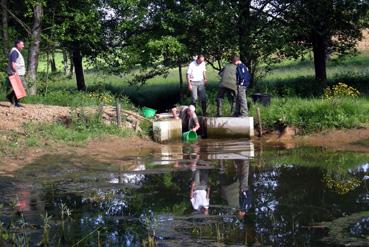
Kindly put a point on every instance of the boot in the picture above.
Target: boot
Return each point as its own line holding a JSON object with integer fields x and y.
{"x": 219, "y": 108}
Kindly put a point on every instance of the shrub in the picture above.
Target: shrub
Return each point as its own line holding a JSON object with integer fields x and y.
{"x": 340, "y": 90}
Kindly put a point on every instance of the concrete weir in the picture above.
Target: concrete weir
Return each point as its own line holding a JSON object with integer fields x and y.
{"x": 168, "y": 129}
{"x": 218, "y": 127}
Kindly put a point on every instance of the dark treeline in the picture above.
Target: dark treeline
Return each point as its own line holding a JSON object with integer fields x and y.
{"x": 155, "y": 36}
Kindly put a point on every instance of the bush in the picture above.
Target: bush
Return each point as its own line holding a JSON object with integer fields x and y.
{"x": 340, "y": 90}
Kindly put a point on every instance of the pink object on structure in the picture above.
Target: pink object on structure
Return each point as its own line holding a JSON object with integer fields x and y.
{"x": 17, "y": 85}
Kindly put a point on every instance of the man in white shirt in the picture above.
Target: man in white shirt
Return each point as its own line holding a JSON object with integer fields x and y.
{"x": 200, "y": 191}
{"x": 196, "y": 78}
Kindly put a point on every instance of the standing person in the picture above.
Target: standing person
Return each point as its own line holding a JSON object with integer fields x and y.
{"x": 238, "y": 194}
{"x": 200, "y": 191}
{"x": 243, "y": 81}
{"x": 188, "y": 116}
{"x": 196, "y": 78}
{"x": 16, "y": 65}
{"x": 227, "y": 85}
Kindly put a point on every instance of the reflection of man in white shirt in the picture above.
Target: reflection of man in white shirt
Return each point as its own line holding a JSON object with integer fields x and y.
{"x": 200, "y": 191}
{"x": 196, "y": 78}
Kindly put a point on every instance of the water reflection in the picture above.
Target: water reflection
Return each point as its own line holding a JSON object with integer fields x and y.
{"x": 238, "y": 194}
{"x": 244, "y": 196}
{"x": 200, "y": 191}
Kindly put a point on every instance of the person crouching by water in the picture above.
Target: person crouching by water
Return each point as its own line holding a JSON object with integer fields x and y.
{"x": 188, "y": 116}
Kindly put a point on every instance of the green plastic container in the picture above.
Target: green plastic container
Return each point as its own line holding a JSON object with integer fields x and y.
{"x": 148, "y": 112}
{"x": 189, "y": 136}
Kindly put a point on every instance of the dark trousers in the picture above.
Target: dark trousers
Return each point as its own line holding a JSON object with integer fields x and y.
{"x": 10, "y": 94}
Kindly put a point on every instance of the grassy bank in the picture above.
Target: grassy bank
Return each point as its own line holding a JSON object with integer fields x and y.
{"x": 310, "y": 115}
{"x": 77, "y": 130}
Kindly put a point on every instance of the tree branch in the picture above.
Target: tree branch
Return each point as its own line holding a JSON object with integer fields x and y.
{"x": 24, "y": 25}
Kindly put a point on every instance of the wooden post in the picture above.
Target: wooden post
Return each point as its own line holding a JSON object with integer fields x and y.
{"x": 259, "y": 122}
{"x": 119, "y": 116}
{"x": 100, "y": 111}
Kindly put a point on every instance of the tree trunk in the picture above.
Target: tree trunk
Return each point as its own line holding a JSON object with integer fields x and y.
{"x": 71, "y": 66}
{"x": 243, "y": 30}
{"x": 181, "y": 95}
{"x": 52, "y": 62}
{"x": 180, "y": 76}
{"x": 245, "y": 44}
{"x": 4, "y": 20}
{"x": 78, "y": 67}
{"x": 65, "y": 62}
{"x": 319, "y": 51}
{"x": 34, "y": 48}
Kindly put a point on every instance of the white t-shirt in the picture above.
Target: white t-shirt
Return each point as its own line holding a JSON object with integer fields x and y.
{"x": 199, "y": 199}
{"x": 196, "y": 71}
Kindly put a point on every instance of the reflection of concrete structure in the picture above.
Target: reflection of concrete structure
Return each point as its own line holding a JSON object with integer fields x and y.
{"x": 213, "y": 127}
{"x": 170, "y": 154}
{"x": 239, "y": 151}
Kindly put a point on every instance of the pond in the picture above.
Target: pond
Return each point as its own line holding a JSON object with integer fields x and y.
{"x": 209, "y": 193}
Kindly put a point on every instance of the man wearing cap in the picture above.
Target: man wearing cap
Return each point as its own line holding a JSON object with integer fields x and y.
{"x": 188, "y": 116}
{"x": 196, "y": 78}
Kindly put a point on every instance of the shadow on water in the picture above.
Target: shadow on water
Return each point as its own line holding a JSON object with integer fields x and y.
{"x": 209, "y": 193}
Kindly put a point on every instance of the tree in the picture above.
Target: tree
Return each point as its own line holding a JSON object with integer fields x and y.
{"x": 325, "y": 26}
{"x": 76, "y": 26}
{"x": 34, "y": 48}
{"x": 158, "y": 35}
{"x": 4, "y": 22}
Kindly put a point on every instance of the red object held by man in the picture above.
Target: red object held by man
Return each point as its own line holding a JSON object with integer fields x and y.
{"x": 17, "y": 85}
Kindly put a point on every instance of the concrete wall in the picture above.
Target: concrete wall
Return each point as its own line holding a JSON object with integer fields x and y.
{"x": 235, "y": 127}
{"x": 211, "y": 127}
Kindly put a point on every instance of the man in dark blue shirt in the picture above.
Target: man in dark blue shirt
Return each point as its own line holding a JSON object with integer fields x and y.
{"x": 243, "y": 81}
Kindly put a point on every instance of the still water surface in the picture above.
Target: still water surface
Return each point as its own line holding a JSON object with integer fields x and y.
{"x": 244, "y": 193}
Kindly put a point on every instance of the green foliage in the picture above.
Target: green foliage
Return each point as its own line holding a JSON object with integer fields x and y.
{"x": 315, "y": 114}
{"x": 340, "y": 90}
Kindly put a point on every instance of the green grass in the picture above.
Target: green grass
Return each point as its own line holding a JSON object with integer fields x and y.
{"x": 311, "y": 115}
{"x": 81, "y": 128}
{"x": 296, "y": 78}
